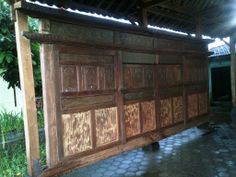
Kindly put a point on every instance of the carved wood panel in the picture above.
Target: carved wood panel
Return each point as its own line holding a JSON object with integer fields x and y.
{"x": 89, "y": 78}
{"x": 132, "y": 119}
{"x": 138, "y": 76}
{"x": 148, "y": 115}
{"x": 77, "y": 132}
{"x": 195, "y": 71}
{"x": 106, "y": 126}
{"x": 169, "y": 75}
{"x": 192, "y": 105}
{"x": 149, "y": 82}
{"x": 166, "y": 112}
{"x": 69, "y": 79}
{"x": 203, "y": 103}
{"x": 178, "y": 109}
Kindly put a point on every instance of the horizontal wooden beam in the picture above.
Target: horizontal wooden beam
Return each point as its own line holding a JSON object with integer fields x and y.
{"x": 65, "y": 40}
{"x": 153, "y": 3}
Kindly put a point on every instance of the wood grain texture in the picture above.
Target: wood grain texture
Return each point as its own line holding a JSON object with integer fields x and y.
{"x": 169, "y": 74}
{"x": 132, "y": 119}
{"x": 166, "y": 112}
{"x": 69, "y": 79}
{"x": 28, "y": 94}
{"x": 203, "y": 103}
{"x": 192, "y": 105}
{"x": 178, "y": 109}
{"x": 77, "y": 132}
{"x": 106, "y": 121}
{"x": 148, "y": 115}
{"x": 89, "y": 78}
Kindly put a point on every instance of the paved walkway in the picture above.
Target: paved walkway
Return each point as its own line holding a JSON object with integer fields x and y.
{"x": 191, "y": 153}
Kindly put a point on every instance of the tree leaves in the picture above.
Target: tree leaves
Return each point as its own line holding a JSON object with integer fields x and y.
{"x": 8, "y": 53}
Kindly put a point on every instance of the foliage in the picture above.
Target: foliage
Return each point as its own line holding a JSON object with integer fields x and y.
{"x": 8, "y": 54}
{"x": 13, "y": 159}
{"x": 13, "y": 122}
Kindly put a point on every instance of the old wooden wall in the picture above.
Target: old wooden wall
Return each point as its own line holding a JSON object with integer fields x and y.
{"x": 100, "y": 98}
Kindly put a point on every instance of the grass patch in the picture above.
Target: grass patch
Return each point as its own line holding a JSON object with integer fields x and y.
{"x": 13, "y": 160}
{"x": 13, "y": 156}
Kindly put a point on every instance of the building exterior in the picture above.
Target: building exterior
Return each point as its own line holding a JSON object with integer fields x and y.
{"x": 219, "y": 74}
{"x": 8, "y": 101}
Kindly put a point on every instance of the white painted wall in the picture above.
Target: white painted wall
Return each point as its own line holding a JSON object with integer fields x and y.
{"x": 7, "y": 98}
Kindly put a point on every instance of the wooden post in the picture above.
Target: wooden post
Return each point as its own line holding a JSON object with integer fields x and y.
{"x": 28, "y": 92}
{"x": 198, "y": 27}
{"x": 51, "y": 101}
{"x": 144, "y": 18}
{"x": 233, "y": 69}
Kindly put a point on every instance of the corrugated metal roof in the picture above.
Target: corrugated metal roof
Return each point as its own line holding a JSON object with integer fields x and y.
{"x": 217, "y": 17}
{"x": 220, "y": 50}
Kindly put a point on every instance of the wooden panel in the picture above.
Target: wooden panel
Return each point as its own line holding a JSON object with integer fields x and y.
{"x": 148, "y": 115}
{"x": 203, "y": 103}
{"x": 77, "y": 102}
{"x": 138, "y": 76}
{"x": 165, "y": 43}
{"x": 139, "y": 95}
{"x": 89, "y": 78}
{"x": 195, "y": 71}
{"x": 169, "y": 75}
{"x": 178, "y": 109}
{"x": 76, "y": 58}
{"x": 83, "y": 34}
{"x": 166, "y": 112}
{"x": 69, "y": 79}
{"x": 136, "y": 41}
{"x": 192, "y": 105}
{"x": 148, "y": 76}
{"x": 106, "y": 126}
{"x": 132, "y": 119}
{"x": 77, "y": 132}
{"x": 141, "y": 58}
{"x": 106, "y": 78}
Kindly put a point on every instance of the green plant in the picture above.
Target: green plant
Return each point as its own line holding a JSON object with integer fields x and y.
{"x": 8, "y": 54}
{"x": 13, "y": 160}
{"x": 10, "y": 122}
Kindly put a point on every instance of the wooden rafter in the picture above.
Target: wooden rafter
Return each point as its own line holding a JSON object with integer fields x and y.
{"x": 175, "y": 17}
{"x": 153, "y": 3}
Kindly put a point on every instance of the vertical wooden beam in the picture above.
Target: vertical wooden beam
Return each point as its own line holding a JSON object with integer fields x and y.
{"x": 233, "y": 69}
{"x": 199, "y": 27}
{"x": 28, "y": 92}
{"x": 50, "y": 97}
{"x": 144, "y": 20}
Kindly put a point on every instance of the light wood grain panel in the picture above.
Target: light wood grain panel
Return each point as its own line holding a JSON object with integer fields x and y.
{"x": 77, "y": 132}
{"x": 166, "y": 112}
{"x": 106, "y": 126}
{"x": 132, "y": 119}
{"x": 148, "y": 115}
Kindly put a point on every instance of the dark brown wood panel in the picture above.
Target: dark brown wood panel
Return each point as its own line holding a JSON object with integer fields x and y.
{"x": 203, "y": 103}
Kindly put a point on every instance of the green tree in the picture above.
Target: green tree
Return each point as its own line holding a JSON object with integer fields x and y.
{"x": 8, "y": 55}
